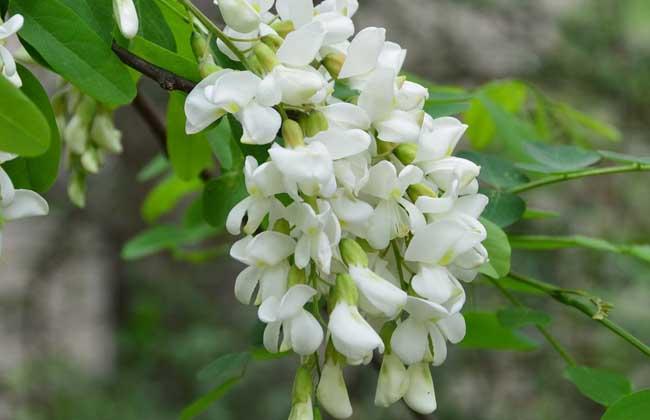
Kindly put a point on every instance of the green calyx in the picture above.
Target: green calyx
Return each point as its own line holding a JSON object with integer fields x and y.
{"x": 345, "y": 290}
{"x": 282, "y": 226}
{"x": 420, "y": 190}
{"x": 353, "y": 253}
{"x": 302, "y": 386}
{"x": 406, "y": 153}
{"x": 296, "y": 276}
{"x": 283, "y": 28}
{"x": 313, "y": 123}
{"x": 266, "y": 56}
{"x": 333, "y": 63}
{"x": 292, "y": 134}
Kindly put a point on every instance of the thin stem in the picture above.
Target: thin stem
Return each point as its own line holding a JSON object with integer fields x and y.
{"x": 547, "y": 335}
{"x": 215, "y": 30}
{"x": 175, "y": 10}
{"x": 569, "y": 300}
{"x": 554, "y": 179}
{"x": 398, "y": 261}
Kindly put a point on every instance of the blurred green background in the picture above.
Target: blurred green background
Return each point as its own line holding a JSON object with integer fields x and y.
{"x": 85, "y": 335}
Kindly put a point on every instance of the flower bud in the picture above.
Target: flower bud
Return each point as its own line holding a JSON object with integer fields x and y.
{"x": 283, "y": 28}
{"x": 345, "y": 290}
{"x": 282, "y": 226}
{"x": 332, "y": 392}
{"x": 406, "y": 153}
{"x": 76, "y": 132}
{"x": 199, "y": 45}
{"x": 416, "y": 191}
{"x": 313, "y": 123}
{"x": 91, "y": 161}
{"x": 420, "y": 396}
{"x": 353, "y": 253}
{"x": 126, "y": 16}
{"x": 266, "y": 56}
{"x": 393, "y": 382}
{"x": 255, "y": 66}
{"x": 301, "y": 406}
{"x": 333, "y": 63}
{"x": 207, "y": 66}
{"x": 292, "y": 134}
{"x": 104, "y": 133}
{"x": 77, "y": 189}
{"x": 239, "y": 15}
{"x": 273, "y": 41}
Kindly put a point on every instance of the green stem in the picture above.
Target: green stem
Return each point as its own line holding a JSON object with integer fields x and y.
{"x": 547, "y": 335}
{"x": 568, "y": 299}
{"x": 175, "y": 11}
{"x": 554, "y": 179}
{"x": 398, "y": 261}
{"x": 215, "y": 30}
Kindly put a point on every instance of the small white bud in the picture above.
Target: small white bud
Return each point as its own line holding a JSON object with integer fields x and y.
{"x": 126, "y": 16}
{"x": 393, "y": 382}
{"x": 420, "y": 396}
{"x": 239, "y": 15}
{"x": 332, "y": 392}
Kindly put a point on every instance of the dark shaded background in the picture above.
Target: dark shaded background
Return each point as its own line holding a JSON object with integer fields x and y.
{"x": 84, "y": 335}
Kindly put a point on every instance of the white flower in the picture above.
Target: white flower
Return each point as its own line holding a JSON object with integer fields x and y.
{"x": 332, "y": 392}
{"x": 420, "y": 395}
{"x": 438, "y": 138}
{"x": 353, "y": 172}
{"x": 319, "y": 234}
{"x": 262, "y": 183}
{"x": 236, "y": 92}
{"x": 377, "y": 296}
{"x": 17, "y": 203}
{"x": 446, "y": 171}
{"x": 126, "y": 16}
{"x": 7, "y": 62}
{"x": 352, "y": 336}
{"x": 243, "y": 15}
{"x": 353, "y": 214}
{"x": 412, "y": 96}
{"x": 346, "y": 116}
{"x": 300, "y": 12}
{"x": 266, "y": 255}
{"x": 363, "y": 52}
{"x": 301, "y": 331}
{"x": 429, "y": 322}
{"x": 438, "y": 285}
{"x": 393, "y": 381}
{"x": 394, "y": 215}
{"x": 344, "y": 7}
{"x": 306, "y": 167}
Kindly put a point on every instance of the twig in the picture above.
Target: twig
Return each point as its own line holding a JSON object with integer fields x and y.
{"x": 554, "y": 179}
{"x": 568, "y": 299}
{"x": 165, "y": 78}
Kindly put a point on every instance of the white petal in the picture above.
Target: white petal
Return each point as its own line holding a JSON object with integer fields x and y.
{"x": 363, "y": 52}
{"x": 26, "y": 203}
{"x": 382, "y": 180}
{"x": 239, "y": 14}
{"x": 392, "y": 383}
{"x": 293, "y": 301}
{"x": 322, "y": 252}
{"x": 411, "y": 96}
{"x": 269, "y": 310}
{"x": 472, "y": 205}
{"x": 273, "y": 281}
{"x": 439, "y": 138}
{"x": 7, "y": 61}
{"x": 199, "y": 109}
{"x": 127, "y": 17}
{"x": 234, "y": 90}
{"x": 408, "y": 176}
{"x": 246, "y": 283}
{"x": 300, "y": 12}
{"x": 434, "y": 283}
{"x": 303, "y": 252}
{"x": 452, "y": 239}
{"x": 306, "y": 333}
{"x": 346, "y": 115}
{"x": 236, "y": 215}
{"x": 272, "y": 336}
{"x": 382, "y": 294}
{"x": 409, "y": 341}
{"x": 416, "y": 218}
{"x": 352, "y": 336}
{"x": 11, "y": 26}
{"x": 268, "y": 92}
{"x": 399, "y": 127}
{"x": 267, "y": 180}
{"x": 420, "y": 396}
{"x": 338, "y": 28}
{"x": 260, "y": 124}
{"x": 392, "y": 57}
{"x": 332, "y": 392}
{"x": 239, "y": 250}
{"x": 378, "y": 95}
{"x": 431, "y": 205}
{"x": 439, "y": 345}
{"x": 270, "y": 247}
{"x": 308, "y": 163}
{"x": 343, "y": 143}
{"x": 425, "y": 310}
{"x": 7, "y": 191}
{"x": 301, "y": 46}
{"x": 453, "y": 328}
{"x": 351, "y": 210}
{"x": 298, "y": 85}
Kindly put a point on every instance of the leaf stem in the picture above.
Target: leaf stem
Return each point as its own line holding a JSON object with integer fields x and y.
{"x": 215, "y": 30}
{"x": 547, "y": 335}
{"x": 554, "y": 179}
{"x": 568, "y": 299}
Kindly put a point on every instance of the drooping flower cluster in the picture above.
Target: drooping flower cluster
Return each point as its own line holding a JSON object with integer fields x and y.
{"x": 88, "y": 133}
{"x": 7, "y": 62}
{"x": 360, "y": 226}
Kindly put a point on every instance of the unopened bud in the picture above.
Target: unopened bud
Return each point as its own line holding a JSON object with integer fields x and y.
{"x": 199, "y": 45}
{"x": 104, "y": 133}
{"x": 126, "y": 16}
{"x": 302, "y": 386}
{"x": 90, "y": 160}
{"x": 207, "y": 66}
{"x": 332, "y": 392}
{"x": 255, "y": 66}
{"x": 406, "y": 153}
{"x": 266, "y": 56}
{"x": 292, "y": 134}
{"x": 282, "y": 226}
{"x": 345, "y": 290}
{"x": 77, "y": 189}
{"x": 313, "y": 123}
{"x": 352, "y": 253}
{"x": 334, "y": 63}
{"x": 283, "y": 28}
{"x": 385, "y": 147}
{"x": 416, "y": 191}
{"x": 239, "y": 15}
{"x": 273, "y": 41}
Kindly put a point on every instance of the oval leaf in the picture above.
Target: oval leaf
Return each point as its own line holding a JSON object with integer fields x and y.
{"x": 498, "y": 249}
{"x": 602, "y": 386}
{"x": 517, "y": 317}
{"x": 485, "y": 332}
{"x": 496, "y": 172}
{"x": 23, "y": 128}
{"x": 221, "y": 195}
{"x": 632, "y": 407}
{"x": 551, "y": 159}
{"x": 504, "y": 209}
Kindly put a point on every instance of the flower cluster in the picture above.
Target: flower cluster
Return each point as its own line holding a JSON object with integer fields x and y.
{"x": 17, "y": 203}
{"x": 360, "y": 227}
{"x": 89, "y": 134}
{"x": 7, "y": 62}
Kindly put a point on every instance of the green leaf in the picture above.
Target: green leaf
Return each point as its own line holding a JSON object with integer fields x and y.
{"x": 504, "y": 209}
{"x": 496, "y": 172}
{"x": 583, "y": 121}
{"x": 625, "y": 158}
{"x": 37, "y": 173}
{"x": 445, "y": 101}
{"x": 631, "y": 407}
{"x": 536, "y": 214}
{"x": 498, "y": 249}
{"x": 517, "y": 317}
{"x": 4, "y": 5}
{"x": 162, "y": 238}
{"x": 226, "y": 371}
{"x": 552, "y": 159}
{"x": 519, "y": 287}
{"x": 602, "y": 386}
{"x": 189, "y": 154}
{"x": 23, "y": 128}
{"x": 166, "y": 195}
{"x": 485, "y": 332}
{"x": 223, "y": 146}
{"x": 74, "y": 50}
{"x": 153, "y": 26}
{"x": 157, "y": 166}
{"x": 163, "y": 58}
{"x": 221, "y": 195}
{"x": 98, "y": 15}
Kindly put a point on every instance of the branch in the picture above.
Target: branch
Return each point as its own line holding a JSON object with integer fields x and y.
{"x": 566, "y": 298}
{"x": 553, "y": 179}
{"x": 165, "y": 78}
